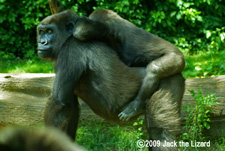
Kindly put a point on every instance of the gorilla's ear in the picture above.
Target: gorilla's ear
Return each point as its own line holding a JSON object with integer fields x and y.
{"x": 70, "y": 28}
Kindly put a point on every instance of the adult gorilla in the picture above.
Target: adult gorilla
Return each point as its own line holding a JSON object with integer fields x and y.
{"x": 93, "y": 72}
{"x": 136, "y": 48}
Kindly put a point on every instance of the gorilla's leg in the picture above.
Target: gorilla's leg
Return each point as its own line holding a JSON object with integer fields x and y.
{"x": 156, "y": 71}
{"x": 63, "y": 116}
{"x": 163, "y": 112}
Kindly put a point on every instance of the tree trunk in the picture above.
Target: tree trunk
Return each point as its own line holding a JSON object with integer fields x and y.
{"x": 23, "y": 98}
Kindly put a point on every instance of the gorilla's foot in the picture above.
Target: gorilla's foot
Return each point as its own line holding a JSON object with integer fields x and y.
{"x": 132, "y": 109}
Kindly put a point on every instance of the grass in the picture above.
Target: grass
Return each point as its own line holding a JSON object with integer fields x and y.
{"x": 202, "y": 64}
{"x": 25, "y": 66}
{"x": 101, "y": 136}
{"x": 105, "y": 136}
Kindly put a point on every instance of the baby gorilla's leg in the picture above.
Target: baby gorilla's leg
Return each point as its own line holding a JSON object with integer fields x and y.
{"x": 132, "y": 109}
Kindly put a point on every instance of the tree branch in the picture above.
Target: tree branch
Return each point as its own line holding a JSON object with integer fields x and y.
{"x": 56, "y": 6}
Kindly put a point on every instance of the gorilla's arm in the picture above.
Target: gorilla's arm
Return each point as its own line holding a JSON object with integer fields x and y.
{"x": 87, "y": 29}
{"x": 135, "y": 47}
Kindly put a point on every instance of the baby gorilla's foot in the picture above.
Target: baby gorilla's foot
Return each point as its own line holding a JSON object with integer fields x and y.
{"x": 132, "y": 109}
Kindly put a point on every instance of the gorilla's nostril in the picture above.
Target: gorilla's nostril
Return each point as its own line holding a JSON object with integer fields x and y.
{"x": 44, "y": 41}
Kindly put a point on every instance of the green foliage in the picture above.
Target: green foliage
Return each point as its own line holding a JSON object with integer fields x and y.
{"x": 25, "y": 66}
{"x": 139, "y": 125}
{"x": 17, "y": 27}
{"x": 204, "y": 64}
{"x": 18, "y": 21}
{"x": 102, "y": 136}
{"x": 192, "y": 25}
{"x": 198, "y": 117}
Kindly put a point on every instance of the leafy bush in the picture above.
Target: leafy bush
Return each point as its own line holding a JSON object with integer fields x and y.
{"x": 18, "y": 23}
{"x": 190, "y": 24}
{"x": 17, "y": 27}
{"x": 198, "y": 117}
{"x": 139, "y": 125}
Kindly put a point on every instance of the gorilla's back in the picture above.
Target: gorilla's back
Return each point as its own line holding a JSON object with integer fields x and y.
{"x": 108, "y": 84}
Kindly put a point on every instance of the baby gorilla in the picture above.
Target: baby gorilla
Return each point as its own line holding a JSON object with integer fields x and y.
{"x": 136, "y": 48}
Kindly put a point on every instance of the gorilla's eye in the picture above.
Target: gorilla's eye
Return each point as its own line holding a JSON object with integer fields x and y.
{"x": 41, "y": 32}
{"x": 49, "y": 31}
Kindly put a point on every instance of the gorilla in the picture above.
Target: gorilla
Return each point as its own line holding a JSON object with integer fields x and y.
{"x": 136, "y": 48}
{"x": 93, "y": 71}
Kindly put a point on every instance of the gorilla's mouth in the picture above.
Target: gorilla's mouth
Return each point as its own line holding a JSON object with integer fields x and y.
{"x": 44, "y": 53}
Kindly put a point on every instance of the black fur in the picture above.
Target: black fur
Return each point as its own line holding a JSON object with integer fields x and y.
{"x": 92, "y": 71}
{"x": 136, "y": 48}
{"x": 27, "y": 139}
